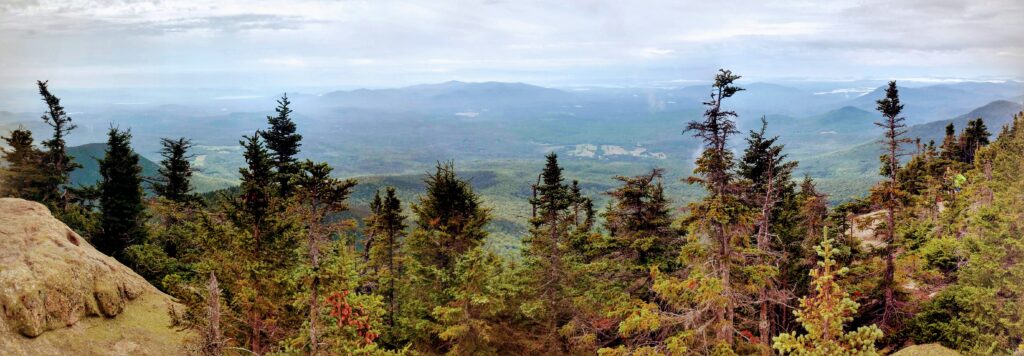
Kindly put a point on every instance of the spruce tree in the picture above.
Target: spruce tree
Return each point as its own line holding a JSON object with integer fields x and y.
{"x": 763, "y": 166}
{"x": 57, "y": 162}
{"x": 254, "y": 201}
{"x": 722, "y": 215}
{"x": 23, "y": 177}
{"x": 894, "y": 130}
{"x": 450, "y": 219}
{"x": 555, "y": 247}
{"x": 320, "y": 196}
{"x": 121, "y": 196}
{"x": 175, "y": 171}
{"x": 480, "y": 318}
{"x": 975, "y": 136}
{"x": 950, "y": 148}
{"x": 640, "y": 231}
{"x": 283, "y": 142}
{"x": 449, "y": 222}
{"x": 385, "y": 254}
{"x": 824, "y": 314}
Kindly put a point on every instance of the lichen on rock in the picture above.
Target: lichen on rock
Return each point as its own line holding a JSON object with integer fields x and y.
{"x": 52, "y": 279}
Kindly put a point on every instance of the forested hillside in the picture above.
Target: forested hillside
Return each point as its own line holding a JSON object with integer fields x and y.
{"x": 749, "y": 258}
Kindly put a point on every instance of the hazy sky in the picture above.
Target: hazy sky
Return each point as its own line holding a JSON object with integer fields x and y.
{"x": 342, "y": 44}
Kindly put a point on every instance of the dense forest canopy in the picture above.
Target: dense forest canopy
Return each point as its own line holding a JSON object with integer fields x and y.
{"x": 759, "y": 262}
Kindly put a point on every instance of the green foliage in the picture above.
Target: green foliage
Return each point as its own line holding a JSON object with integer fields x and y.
{"x": 23, "y": 176}
{"x": 981, "y": 312}
{"x": 255, "y": 202}
{"x": 716, "y": 222}
{"x": 283, "y": 141}
{"x": 450, "y": 221}
{"x": 481, "y": 316}
{"x": 385, "y": 230}
{"x": 824, "y": 313}
{"x": 639, "y": 225}
{"x": 175, "y": 174}
{"x": 121, "y": 205}
{"x": 56, "y": 161}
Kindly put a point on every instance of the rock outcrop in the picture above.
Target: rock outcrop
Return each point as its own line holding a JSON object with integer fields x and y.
{"x": 59, "y": 295}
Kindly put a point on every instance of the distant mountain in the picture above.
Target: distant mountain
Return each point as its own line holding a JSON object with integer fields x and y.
{"x": 813, "y": 135}
{"x": 995, "y": 114}
{"x": 88, "y": 154}
{"x": 453, "y": 95}
{"x": 766, "y": 98}
{"x": 931, "y": 103}
{"x": 852, "y": 170}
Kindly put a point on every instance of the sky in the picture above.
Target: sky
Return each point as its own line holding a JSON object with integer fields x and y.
{"x": 261, "y": 45}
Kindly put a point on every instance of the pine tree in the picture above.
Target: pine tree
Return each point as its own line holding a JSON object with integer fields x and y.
{"x": 319, "y": 197}
{"x": 824, "y": 313}
{"x": 975, "y": 136}
{"x": 480, "y": 317}
{"x": 894, "y": 129}
{"x": 120, "y": 196}
{"x": 640, "y": 231}
{"x": 385, "y": 254}
{"x": 450, "y": 219}
{"x": 23, "y": 177}
{"x": 950, "y": 146}
{"x": 254, "y": 202}
{"x": 721, "y": 214}
{"x": 813, "y": 212}
{"x": 553, "y": 247}
{"x": 283, "y": 142}
{"x": 266, "y": 242}
{"x": 449, "y": 222}
{"x": 57, "y": 162}
{"x": 763, "y": 166}
{"x": 175, "y": 171}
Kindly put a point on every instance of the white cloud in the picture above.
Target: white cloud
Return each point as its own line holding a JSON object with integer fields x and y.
{"x": 652, "y": 52}
{"x": 564, "y": 43}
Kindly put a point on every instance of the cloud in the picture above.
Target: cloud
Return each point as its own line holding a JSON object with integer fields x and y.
{"x": 562, "y": 43}
{"x": 652, "y": 52}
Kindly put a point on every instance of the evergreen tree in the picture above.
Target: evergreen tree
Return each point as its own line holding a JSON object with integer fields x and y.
{"x": 950, "y": 146}
{"x": 449, "y": 222}
{"x": 385, "y": 254}
{"x": 123, "y": 212}
{"x": 23, "y": 177}
{"x": 824, "y": 313}
{"x": 283, "y": 142}
{"x": 894, "y": 130}
{"x": 268, "y": 239}
{"x": 553, "y": 248}
{"x": 319, "y": 197}
{"x": 722, "y": 215}
{"x": 56, "y": 161}
{"x": 254, "y": 202}
{"x": 175, "y": 171}
{"x": 640, "y": 231}
{"x": 763, "y": 166}
{"x": 371, "y": 226}
{"x": 975, "y": 136}
{"x": 450, "y": 219}
{"x": 813, "y": 212}
{"x": 980, "y": 311}
{"x": 480, "y": 317}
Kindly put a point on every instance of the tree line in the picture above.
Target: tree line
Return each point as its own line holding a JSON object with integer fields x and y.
{"x": 760, "y": 264}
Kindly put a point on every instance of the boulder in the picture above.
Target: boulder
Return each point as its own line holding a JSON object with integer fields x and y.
{"x": 59, "y": 295}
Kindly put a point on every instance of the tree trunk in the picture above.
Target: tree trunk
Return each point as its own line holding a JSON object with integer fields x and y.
{"x": 314, "y": 259}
